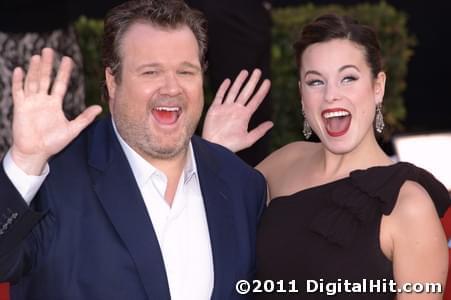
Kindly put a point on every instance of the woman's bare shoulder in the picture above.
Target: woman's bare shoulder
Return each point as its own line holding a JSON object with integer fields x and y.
{"x": 281, "y": 159}
{"x": 419, "y": 249}
{"x": 414, "y": 204}
{"x": 413, "y": 213}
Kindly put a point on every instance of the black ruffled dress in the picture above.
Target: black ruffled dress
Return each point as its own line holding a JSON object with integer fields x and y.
{"x": 322, "y": 242}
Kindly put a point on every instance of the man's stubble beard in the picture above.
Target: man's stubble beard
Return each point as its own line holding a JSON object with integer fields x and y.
{"x": 139, "y": 136}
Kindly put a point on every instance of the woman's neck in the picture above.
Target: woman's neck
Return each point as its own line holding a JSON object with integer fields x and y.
{"x": 367, "y": 154}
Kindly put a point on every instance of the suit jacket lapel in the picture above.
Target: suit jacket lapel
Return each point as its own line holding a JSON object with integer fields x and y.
{"x": 219, "y": 211}
{"x": 119, "y": 194}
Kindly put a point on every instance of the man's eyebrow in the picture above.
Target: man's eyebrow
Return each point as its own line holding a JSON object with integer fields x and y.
{"x": 191, "y": 65}
{"x": 149, "y": 65}
{"x": 154, "y": 65}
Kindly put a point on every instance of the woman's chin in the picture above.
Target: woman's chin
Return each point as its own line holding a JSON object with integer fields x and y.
{"x": 340, "y": 145}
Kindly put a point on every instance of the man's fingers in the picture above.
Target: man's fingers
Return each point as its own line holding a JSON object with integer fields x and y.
{"x": 259, "y": 96}
{"x": 249, "y": 88}
{"x": 45, "y": 70}
{"x": 32, "y": 77}
{"x": 258, "y": 132}
{"x": 84, "y": 119}
{"x": 221, "y": 92}
{"x": 236, "y": 86}
{"x": 17, "y": 85}
{"x": 62, "y": 78}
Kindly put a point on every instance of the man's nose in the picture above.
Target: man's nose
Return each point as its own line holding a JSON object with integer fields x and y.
{"x": 170, "y": 85}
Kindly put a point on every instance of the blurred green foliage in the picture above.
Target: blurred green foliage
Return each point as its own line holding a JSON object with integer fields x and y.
{"x": 390, "y": 25}
{"x": 89, "y": 33}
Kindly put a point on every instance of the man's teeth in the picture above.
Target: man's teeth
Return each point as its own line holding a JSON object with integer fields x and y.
{"x": 164, "y": 108}
{"x": 335, "y": 114}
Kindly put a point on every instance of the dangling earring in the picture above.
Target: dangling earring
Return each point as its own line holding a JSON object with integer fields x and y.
{"x": 307, "y": 130}
{"x": 379, "y": 118}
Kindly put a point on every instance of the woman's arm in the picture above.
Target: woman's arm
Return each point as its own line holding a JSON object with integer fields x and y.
{"x": 420, "y": 253}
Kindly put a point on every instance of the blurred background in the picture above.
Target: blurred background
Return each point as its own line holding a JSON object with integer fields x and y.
{"x": 413, "y": 36}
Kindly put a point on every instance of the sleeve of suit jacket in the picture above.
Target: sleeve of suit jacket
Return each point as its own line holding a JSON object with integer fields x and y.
{"x": 17, "y": 221}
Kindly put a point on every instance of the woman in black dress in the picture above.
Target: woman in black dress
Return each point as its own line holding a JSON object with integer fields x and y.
{"x": 343, "y": 219}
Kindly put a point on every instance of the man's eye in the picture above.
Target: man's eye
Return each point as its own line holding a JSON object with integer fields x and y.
{"x": 186, "y": 72}
{"x": 349, "y": 79}
{"x": 150, "y": 72}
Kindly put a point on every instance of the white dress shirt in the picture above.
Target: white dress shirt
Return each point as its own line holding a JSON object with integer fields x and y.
{"x": 182, "y": 230}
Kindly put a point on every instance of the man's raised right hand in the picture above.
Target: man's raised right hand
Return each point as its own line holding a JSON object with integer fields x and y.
{"x": 40, "y": 129}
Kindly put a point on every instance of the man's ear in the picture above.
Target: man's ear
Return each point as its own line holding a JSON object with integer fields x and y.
{"x": 379, "y": 87}
{"x": 110, "y": 83}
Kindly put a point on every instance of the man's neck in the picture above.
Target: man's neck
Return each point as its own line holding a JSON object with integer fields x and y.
{"x": 172, "y": 168}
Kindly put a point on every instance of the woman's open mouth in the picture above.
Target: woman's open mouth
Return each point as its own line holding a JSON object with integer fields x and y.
{"x": 337, "y": 120}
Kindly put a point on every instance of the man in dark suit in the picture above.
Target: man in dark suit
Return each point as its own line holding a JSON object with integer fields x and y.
{"x": 132, "y": 206}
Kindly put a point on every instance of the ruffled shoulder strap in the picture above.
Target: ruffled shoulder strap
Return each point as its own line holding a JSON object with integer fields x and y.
{"x": 385, "y": 183}
{"x": 367, "y": 194}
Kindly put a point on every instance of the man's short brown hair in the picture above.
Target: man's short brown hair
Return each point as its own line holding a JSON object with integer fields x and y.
{"x": 169, "y": 14}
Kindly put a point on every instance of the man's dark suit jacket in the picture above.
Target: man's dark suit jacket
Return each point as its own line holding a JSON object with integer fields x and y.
{"x": 91, "y": 237}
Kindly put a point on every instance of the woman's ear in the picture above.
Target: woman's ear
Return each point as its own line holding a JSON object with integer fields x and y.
{"x": 379, "y": 87}
{"x": 300, "y": 93}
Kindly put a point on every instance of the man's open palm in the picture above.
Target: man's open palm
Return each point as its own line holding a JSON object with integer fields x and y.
{"x": 40, "y": 128}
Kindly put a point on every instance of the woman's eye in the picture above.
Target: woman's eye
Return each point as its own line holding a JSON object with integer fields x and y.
{"x": 314, "y": 82}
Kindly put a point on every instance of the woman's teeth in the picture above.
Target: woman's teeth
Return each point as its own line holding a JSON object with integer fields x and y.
{"x": 335, "y": 114}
